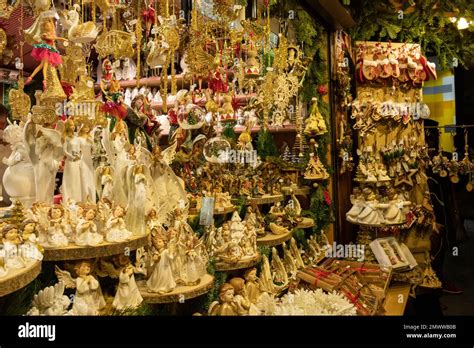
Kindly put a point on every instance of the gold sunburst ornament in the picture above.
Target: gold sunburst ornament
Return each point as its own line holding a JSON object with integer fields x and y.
{"x": 3, "y": 40}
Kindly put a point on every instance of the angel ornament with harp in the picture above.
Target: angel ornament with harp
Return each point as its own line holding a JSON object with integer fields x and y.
{"x": 88, "y": 299}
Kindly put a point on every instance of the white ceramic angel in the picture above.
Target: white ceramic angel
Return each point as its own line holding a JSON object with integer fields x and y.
{"x": 50, "y": 301}
{"x": 162, "y": 279}
{"x": 11, "y": 248}
{"x": 127, "y": 295}
{"x": 88, "y": 299}
{"x": 19, "y": 178}
{"x": 57, "y": 229}
{"x": 30, "y": 247}
{"x": 87, "y": 230}
{"x": 86, "y": 164}
{"x": 138, "y": 201}
{"x": 116, "y": 231}
{"x": 71, "y": 186}
{"x": 105, "y": 182}
{"x": 195, "y": 265}
{"x": 45, "y": 151}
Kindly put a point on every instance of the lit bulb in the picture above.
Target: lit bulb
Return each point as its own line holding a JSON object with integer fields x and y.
{"x": 462, "y": 23}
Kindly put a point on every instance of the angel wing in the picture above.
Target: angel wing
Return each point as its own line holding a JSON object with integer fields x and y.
{"x": 29, "y": 135}
{"x": 107, "y": 269}
{"x": 169, "y": 153}
{"x": 65, "y": 277}
{"x": 140, "y": 264}
{"x": 143, "y": 155}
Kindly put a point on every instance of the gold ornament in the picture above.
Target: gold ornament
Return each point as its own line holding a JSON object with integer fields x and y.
{"x": 20, "y": 102}
{"x": 3, "y": 40}
{"x": 54, "y": 92}
{"x": 73, "y": 62}
{"x": 115, "y": 42}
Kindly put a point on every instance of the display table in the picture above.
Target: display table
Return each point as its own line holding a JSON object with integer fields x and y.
{"x": 19, "y": 278}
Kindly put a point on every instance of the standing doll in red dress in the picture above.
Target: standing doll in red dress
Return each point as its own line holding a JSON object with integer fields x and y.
{"x": 45, "y": 51}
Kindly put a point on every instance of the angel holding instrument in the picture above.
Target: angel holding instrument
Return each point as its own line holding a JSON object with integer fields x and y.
{"x": 88, "y": 299}
{"x": 127, "y": 295}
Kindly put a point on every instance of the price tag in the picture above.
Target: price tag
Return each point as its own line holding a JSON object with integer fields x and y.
{"x": 206, "y": 217}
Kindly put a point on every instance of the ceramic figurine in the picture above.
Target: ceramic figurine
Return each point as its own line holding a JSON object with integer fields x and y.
{"x": 50, "y": 301}
{"x": 265, "y": 280}
{"x": 71, "y": 187}
{"x": 276, "y": 210}
{"x": 116, "y": 231}
{"x": 279, "y": 273}
{"x": 57, "y": 230}
{"x": 31, "y": 248}
{"x": 195, "y": 265}
{"x": 162, "y": 278}
{"x": 252, "y": 288}
{"x": 11, "y": 248}
{"x": 315, "y": 124}
{"x": 88, "y": 299}
{"x": 241, "y": 299}
{"x": 295, "y": 252}
{"x": 315, "y": 169}
{"x": 226, "y": 305}
{"x": 105, "y": 183}
{"x": 19, "y": 178}
{"x": 87, "y": 229}
{"x": 252, "y": 218}
{"x": 88, "y": 189}
{"x": 137, "y": 200}
{"x": 289, "y": 262}
{"x": 277, "y": 229}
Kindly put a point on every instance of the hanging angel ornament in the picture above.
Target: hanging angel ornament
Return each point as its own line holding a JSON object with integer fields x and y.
{"x": 88, "y": 299}
{"x": 315, "y": 124}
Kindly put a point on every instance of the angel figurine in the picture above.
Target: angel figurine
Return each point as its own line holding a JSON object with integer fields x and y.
{"x": 137, "y": 183}
{"x": 11, "y": 248}
{"x": 45, "y": 151}
{"x": 31, "y": 247}
{"x": 57, "y": 229}
{"x": 127, "y": 295}
{"x": 71, "y": 186}
{"x": 226, "y": 306}
{"x": 50, "y": 301}
{"x": 162, "y": 278}
{"x": 87, "y": 229}
{"x": 88, "y": 299}
{"x": 105, "y": 182}
{"x": 116, "y": 230}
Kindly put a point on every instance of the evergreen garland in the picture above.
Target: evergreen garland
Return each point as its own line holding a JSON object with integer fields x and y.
{"x": 425, "y": 22}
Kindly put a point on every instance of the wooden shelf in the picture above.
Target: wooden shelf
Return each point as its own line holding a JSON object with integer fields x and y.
{"x": 76, "y": 252}
{"x": 272, "y": 240}
{"x": 246, "y": 262}
{"x": 265, "y": 200}
{"x": 297, "y": 191}
{"x": 16, "y": 279}
{"x": 178, "y": 294}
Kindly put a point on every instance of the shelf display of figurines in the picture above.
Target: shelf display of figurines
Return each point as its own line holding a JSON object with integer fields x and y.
{"x": 178, "y": 260}
{"x": 235, "y": 244}
{"x": 315, "y": 170}
{"x": 372, "y": 209}
{"x": 88, "y": 299}
{"x": 255, "y": 218}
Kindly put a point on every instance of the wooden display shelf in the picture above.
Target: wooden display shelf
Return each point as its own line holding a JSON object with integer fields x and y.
{"x": 298, "y": 191}
{"x": 76, "y": 252}
{"x": 247, "y": 262}
{"x": 19, "y": 278}
{"x": 272, "y": 240}
{"x": 179, "y": 294}
{"x": 306, "y": 223}
{"x": 265, "y": 199}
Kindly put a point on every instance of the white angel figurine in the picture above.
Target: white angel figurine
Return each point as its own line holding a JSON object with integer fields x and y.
{"x": 87, "y": 230}
{"x": 50, "y": 301}
{"x": 11, "y": 248}
{"x": 137, "y": 200}
{"x": 127, "y": 295}
{"x": 116, "y": 230}
{"x": 18, "y": 179}
{"x": 71, "y": 186}
{"x": 105, "y": 182}
{"x": 86, "y": 164}
{"x": 45, "y": 151}
{"x": 57, "y": 229}
{"x": 289, "y": 262}
{"x": 195, "y": 267}
{"x": 162, "y": 278}
{"x": 30, "y": 248}
{"x": 88, "y": 299}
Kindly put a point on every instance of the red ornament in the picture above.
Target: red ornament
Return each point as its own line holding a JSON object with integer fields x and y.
{"x": 322, "y": 89}
{"x": 327, "y": 197}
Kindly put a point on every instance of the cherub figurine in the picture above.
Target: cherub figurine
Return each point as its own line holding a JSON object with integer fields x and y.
{"x": 162, "y": 278}
{"x": 226, "y": 304}
{"x": 31, "y": 247}
{"x": 88, "y": 299}
{"x": 87, "y": 229}
{"x": 11, "y": 247}
{"x": 116, "y": 230}
{"x": 252, "y": 288}
{"x": 57, "y": 230}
